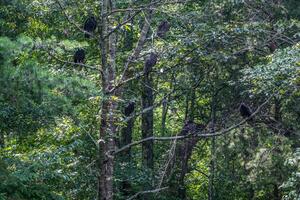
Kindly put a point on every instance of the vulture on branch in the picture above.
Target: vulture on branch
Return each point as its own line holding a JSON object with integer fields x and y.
{"x": 90, "y": 25}
{"x": 79, "y": 56}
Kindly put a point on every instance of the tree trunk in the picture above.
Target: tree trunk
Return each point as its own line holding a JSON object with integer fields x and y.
{"x": 147, "y": 121}
{"x": 277, "y": 109}
{"x": 211, "y": 188}
{"x": 106, "y": 148}
{"x": 108, "y": 108}
{"x": 125, "y": 156}
{"x": 276, "y": 192}
{"x": 212, "y": 170}
{"x": 192, "y": 107}
{"x": 184, "y": 151}
{"x": 126, "y": 137}
{"x": 1, "y": 139}
{"x": 164, "y": 116}
{"x": 188, "y": 144}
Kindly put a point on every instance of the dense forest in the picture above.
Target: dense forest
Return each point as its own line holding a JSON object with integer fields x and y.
{"x": 150, "y": 99}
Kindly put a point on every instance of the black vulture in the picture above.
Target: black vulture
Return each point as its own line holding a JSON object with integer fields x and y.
{"x": 79, "y": 56}
{"x": 245, "y": 110}
{"x": 150, "y": 62}
{"x": 163, "y": 27}
{"x": 129, "y": 109}
{"x": 272, "y": 46}
{"x": 90, "y": 25}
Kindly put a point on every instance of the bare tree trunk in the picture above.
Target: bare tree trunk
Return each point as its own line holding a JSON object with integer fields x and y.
{"x": 211, "y": 191}
{"x": 186, "y": 114}
{"x": 107, "y": 146}
{"x": 188, "y": 144}
{"x": 147, "y": 121}
{"x": 1, "y": 139}
{"x": 126, "y": 138}
{"x": 164, "y": 116}
{"x": 108, "y": 109}
{"x": 147, "y": 117}
{"x": 183, "y": 154}
{"x": 277, "y": 109}
{"x": 276, "y": 192}
{"x": 192, "y": 108}
{"x": 211, "y": 188}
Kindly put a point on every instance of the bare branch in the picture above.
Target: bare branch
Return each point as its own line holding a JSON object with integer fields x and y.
{"x": 168, "y": 163}
{"x": 147, "y": 192}
{"x": 91, "y": 137}
{"x": 147, "y": 6}
{"x": 138, "y": 47}
{"x": 201, "y": 172}
{"x": 121, "y": 24}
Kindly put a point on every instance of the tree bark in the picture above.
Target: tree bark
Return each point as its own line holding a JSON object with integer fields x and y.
{"x": 164, "y": 116}
{"x": 187, "y": 148}
{"x": 211, "y": 191}
{"x": 276, "y": 192}
{"x": 108, "y": 109}
{"x": 211, "y": 188}
{"x": 125, "y": 157}
{"x": 277, "y": 109}
{"x": 147, "y": 121}
{"x": 1, "y": 139}
{"x": 106, "y": 148}
{"x": 126, "y": 137}
{"x": 183, "y": 153}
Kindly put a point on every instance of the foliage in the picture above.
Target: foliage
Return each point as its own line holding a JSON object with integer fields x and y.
{"x": 291, "y": 186}
{"x": 216, "y": 55}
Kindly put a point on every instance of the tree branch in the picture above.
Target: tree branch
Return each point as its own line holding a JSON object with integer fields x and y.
{"x": 138, "y": 47}
{"x": 121, "y": 24}
{"x": 147, "y": 192}
{"x": 147, "y": 6}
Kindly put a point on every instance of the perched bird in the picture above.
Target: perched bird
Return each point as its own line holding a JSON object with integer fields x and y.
{"x": 163, "y": 28}
{"x": 150, "y": 62}
{"x": 245, "y": 110}
{"x": 272, "y": 46}
{"x": 129, "y": 109}
{"x": 79, "y": 56}
{"x": 90, "y": 25}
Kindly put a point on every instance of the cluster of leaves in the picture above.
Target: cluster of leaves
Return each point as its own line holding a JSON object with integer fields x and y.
{"x": 280, "y": 70}
{"x": 292, "y": 185}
